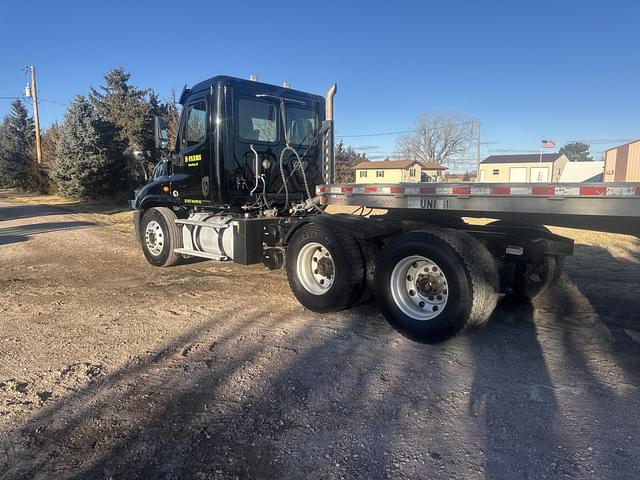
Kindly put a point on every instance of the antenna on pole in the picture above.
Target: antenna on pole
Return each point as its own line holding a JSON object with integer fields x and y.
{"x": 478, "y": 149}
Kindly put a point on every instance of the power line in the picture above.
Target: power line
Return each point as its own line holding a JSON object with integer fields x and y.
{"x": 53, "y": 101}
{"x": 406, "y": 131}
{"x": 39, "y": 100}
{"x": 376, "y": 134}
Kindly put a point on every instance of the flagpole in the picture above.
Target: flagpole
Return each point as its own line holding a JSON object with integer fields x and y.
{"x": 540, "y": 152}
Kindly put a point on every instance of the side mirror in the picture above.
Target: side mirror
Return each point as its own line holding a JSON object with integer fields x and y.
{"x": 160, "y": 133}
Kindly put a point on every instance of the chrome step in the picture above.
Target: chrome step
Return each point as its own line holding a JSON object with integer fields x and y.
{"x": 180, "y": 221}
{"x": 197, "y": 253}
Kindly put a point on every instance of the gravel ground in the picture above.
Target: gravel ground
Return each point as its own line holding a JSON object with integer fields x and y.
{"x": 110, "y": 368}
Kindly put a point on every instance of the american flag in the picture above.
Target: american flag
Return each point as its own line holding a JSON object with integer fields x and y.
{"x": 548, "y": 144}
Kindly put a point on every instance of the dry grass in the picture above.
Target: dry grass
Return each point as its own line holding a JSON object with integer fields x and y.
{"x": 37, "y": 198}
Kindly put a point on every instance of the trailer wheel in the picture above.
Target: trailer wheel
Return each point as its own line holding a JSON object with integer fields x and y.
{"x": 160, "y": 237}
{"x": 536, "y": 279}
{"x": 429, "y": 288}
{"x": 533, "y": 279}
{"x": 325, "y": 269}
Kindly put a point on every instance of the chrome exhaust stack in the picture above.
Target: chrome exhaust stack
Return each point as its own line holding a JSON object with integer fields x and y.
{"x": 328, "y": 153}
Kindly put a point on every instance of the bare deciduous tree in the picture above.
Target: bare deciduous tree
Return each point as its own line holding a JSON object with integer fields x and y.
{"x": 437, "y": 138}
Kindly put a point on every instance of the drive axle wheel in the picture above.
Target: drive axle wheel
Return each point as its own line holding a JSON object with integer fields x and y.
{"x": 325, "y": 269}
{"x": 431, "y": 285}
{"x": 160, "y": 237}
{"x": 316, "y": 268}
{"x": 419, "y": 287}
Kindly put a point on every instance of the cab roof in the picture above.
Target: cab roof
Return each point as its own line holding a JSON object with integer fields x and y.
{"x": 234, "y": 81}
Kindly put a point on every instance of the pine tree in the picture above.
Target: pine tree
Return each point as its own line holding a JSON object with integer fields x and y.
{"x": 88, "y": 162}
{"x": 346, "y": 158}
{"x": 16, "y": 146}
{"x": 577, "y": 152}
{"x": 50, "y": 139}
{"x": 128, "y": 108}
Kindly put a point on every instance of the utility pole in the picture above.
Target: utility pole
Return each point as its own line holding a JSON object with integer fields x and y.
{"x": 36, "y": 117}
{"x": 478, "y": 150}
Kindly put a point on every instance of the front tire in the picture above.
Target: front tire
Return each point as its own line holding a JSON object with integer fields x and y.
{"x": 160, "y": 237}
{"x": 325, "y": 269}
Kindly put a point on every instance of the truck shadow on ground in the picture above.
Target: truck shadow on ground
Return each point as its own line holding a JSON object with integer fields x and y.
{"x": 18, "y": 211}
{"x": 557, "y": 382}
{"x": 23, "y": 233}
{"x": 541, "y": 391}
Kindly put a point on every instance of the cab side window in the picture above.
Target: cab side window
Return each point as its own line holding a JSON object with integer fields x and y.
{"x": 257, "y": 120}
{"x": 195, "y": 127}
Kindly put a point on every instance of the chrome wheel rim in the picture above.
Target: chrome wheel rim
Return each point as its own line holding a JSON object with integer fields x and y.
{"x": 316, "y": 269}
{"x": 419, "y": 287}
{"x": 154, "y": 238}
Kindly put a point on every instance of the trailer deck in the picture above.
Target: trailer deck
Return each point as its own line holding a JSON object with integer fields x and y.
{"x": 612, "y": 207}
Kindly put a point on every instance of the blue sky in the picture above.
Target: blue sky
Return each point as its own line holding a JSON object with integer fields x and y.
{"x": 565, "y": 70}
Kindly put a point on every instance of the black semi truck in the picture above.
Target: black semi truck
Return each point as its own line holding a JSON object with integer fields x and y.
{"x": 251, "y": 175}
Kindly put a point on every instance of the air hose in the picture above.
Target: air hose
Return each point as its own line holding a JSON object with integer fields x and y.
{"x": 298, "y": 164}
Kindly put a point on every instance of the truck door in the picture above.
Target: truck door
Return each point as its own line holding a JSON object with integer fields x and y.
{"x": 194, "y": 154}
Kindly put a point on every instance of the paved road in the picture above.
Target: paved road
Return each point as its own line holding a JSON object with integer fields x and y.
{"x": 110, "y": 368}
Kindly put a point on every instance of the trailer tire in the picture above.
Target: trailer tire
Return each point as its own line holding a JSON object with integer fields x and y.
{"x": 547, "y": 274}
{"x": 160, "y": 237}
{"x": 467, "y": 295}
{"x": 339, "y": 279}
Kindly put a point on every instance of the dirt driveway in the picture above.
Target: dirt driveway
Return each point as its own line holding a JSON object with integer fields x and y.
{"x": 110, "y": 368}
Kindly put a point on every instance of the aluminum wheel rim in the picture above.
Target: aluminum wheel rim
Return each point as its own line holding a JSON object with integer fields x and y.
{"x": 419, "y": 287}
{"x": 154, "y": 238}
{"x": 316, "y": 269}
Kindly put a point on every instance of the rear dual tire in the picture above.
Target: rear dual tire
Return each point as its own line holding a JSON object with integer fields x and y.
{"x": 429, "y": 285}
{"x": 325, "y": 270}
{"x": 432, "y": 285}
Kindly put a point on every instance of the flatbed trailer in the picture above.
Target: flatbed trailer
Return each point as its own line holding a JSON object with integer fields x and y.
{"x": 610, "y": 207}
{"x": 250, "y": 179}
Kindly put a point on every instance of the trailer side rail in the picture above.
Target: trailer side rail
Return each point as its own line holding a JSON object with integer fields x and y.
{"x": 613, "y": 207}
{"x": 621, "y": 199}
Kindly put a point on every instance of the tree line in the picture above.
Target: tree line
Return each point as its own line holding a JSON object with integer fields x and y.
{"x": 96, "y": 151}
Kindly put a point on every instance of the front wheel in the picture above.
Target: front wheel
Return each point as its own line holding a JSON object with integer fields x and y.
{"x": 160, "y": 237}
